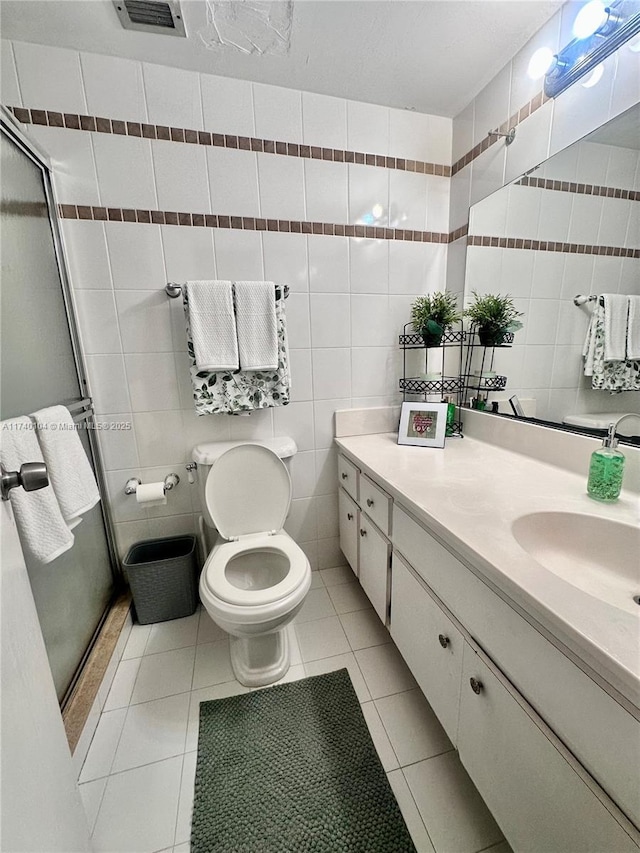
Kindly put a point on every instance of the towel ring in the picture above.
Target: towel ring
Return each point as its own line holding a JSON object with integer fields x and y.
{"x": 174, "y": 290}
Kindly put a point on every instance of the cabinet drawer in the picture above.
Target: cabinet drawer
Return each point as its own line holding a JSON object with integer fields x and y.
{"x": 600, "y": 732}
{"x": 373, "y": 565}
{"x": 537, "y": 793}
{"x": 376, "y": 503}
{"x": 348, "y": 512}
{"x": 348, "y": 476}
{"x": 429, "y": 642}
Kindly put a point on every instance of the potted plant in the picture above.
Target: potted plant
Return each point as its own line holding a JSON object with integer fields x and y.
{"x": 494, "y": 316}
{"x": 432, "y": 314}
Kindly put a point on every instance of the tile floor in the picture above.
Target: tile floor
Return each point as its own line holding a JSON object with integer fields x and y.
{"x": 137, "y": 780}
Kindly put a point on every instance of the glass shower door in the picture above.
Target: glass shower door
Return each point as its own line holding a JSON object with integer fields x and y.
{"x": 40, "y": 366}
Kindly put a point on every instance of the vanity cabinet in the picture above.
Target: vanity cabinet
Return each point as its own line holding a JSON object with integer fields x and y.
{"x": 429, "y": 642}
{"x": 603, "y": 735}
{"x": 349, "y": 513}
{"x": 552, "y": 752}
{"x": 538, "y": 794}
{"x": 365, "y": 520}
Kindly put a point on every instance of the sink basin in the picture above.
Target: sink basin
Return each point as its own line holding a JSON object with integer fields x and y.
{"x": 597, "y": 555}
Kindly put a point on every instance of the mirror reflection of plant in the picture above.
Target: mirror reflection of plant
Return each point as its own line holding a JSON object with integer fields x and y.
{"x": 433, "y": 314}
{"x": 494, "y": 315}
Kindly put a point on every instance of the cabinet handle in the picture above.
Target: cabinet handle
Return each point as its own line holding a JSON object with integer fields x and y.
{"x": 369, "y": 502}
{"x": 476, "y": 685}
{"x": 363, "y": 532}
{"x": 350, "y": 516}
{"x": 444, "y": 641}
{"x": 344, "y": 476}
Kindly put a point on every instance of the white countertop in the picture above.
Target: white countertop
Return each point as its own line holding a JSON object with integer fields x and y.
{"x": 469, "y": 494}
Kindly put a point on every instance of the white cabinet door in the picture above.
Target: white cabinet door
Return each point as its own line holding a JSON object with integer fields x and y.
{"x": 349, "y": 516}
{"x": 373, "y": 565}
{"x": 535, "y": 790}
{"x": 429, "y": 642}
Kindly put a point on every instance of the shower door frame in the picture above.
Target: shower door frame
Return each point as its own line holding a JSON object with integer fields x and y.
{"x": 12, "y": 130}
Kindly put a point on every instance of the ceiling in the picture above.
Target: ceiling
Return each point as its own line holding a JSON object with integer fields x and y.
{"x": 432, "y": 56}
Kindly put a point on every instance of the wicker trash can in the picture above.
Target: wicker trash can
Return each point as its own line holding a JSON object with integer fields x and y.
{"x": 163, "y": 576}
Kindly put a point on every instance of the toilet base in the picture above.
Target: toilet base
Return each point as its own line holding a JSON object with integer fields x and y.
{"x": 260, "y": 660}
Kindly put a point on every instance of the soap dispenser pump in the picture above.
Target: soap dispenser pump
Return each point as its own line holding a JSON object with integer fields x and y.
{"x": 606, "y": 469}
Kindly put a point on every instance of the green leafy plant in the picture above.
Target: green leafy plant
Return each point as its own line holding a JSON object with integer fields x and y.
{"x": 433, "y": 313}
{"x": 494, "y": 315}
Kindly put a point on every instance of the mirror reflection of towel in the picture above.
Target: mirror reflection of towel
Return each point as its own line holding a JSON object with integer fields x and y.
{"x": 613, "y": 376}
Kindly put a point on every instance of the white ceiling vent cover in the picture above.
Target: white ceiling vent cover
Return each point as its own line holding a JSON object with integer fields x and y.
{"x": 151, "y": 16}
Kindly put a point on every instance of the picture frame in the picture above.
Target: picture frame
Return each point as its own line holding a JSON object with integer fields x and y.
{"x": 423, "y": 424}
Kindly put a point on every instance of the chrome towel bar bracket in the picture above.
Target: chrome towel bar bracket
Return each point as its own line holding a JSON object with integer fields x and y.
{"x": 174, "y": 290}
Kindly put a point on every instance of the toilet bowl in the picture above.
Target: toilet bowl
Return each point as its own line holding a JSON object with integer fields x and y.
{"x": 256, "y": 577}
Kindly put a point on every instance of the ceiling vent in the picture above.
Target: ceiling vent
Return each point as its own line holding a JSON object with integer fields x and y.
{"x": 151, "y": 16}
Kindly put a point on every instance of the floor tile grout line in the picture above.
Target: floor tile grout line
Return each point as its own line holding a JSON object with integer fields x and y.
{"x": 424, "y": 823}
{"x": 140, "y": 766}
{"x": 420, "y": 760}
{"x": 492, "y": 846}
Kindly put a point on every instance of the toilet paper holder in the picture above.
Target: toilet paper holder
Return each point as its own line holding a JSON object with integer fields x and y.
{"x": 170, "y": 482}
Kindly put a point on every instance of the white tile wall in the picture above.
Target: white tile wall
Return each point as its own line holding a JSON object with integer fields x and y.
{"x": 349, "y": 297}
{"x": 548, "y": 349}
{"x": 114, "y": 87}
{"x": 549, "y": 130}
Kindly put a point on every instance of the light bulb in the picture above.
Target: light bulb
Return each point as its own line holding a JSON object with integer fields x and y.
{"x": 589, "y": 19}
{"x": 594, "y": 77}
{"x": 377, "y": 210}
{"x": 540, "y": 63}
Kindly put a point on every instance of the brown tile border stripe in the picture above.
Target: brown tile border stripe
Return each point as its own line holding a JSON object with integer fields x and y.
{"x": 551, "y": 246}
{"x": 248, "y": 223}
{"x": 462, "y": 231}
{"x": 203, "y": 137}
{"x": 583, "y": 189}
{"x": 528, "y": 109}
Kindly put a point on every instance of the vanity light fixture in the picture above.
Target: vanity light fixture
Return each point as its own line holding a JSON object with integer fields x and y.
{"x": 599, "y": 30}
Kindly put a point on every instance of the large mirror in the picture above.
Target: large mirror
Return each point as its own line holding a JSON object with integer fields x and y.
{"x": 586, "y": 197}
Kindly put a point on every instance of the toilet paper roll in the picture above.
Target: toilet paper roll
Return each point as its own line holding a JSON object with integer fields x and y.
{"x": 151, "y": 494}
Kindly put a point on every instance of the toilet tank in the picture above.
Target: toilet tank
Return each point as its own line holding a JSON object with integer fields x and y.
{"x": 206, "y": 454}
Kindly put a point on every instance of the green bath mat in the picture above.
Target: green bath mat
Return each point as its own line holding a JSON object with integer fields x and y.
{"x": 292, "y": 769}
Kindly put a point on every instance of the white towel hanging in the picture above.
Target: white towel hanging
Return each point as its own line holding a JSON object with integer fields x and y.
{"x": 213, "y": 325}
{"x": 616, "y": 311}
{"x": 633, "y": 329}
{"x": 44, "y": 534}
{"x": 256, "y": 324}
{"x": 70, "y": 472}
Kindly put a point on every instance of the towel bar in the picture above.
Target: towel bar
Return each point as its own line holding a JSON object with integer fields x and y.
{"x": 174, "y": 290}
{"x": 582, "y": 300}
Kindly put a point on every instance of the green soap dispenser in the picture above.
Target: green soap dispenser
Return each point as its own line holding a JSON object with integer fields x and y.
{"x": 606, "y": 469}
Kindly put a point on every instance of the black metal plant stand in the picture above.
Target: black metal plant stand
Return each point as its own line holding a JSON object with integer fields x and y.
{"x": 475, "y": 385}
{"x": 415, "y": 387}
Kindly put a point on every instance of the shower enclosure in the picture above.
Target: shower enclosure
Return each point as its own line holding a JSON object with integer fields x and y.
{"x": 41, "y": 365}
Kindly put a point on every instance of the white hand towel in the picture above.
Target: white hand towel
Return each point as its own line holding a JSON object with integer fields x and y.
{"x": 257, "y": 327}
{"x": 43, "y": 531}
{"x": 589, "y": 348}
{"x": 70, "y": 472}
{"x": 616, "y": 309}
{"x": 213, "y": 325}
{"x": 633, "y": 329}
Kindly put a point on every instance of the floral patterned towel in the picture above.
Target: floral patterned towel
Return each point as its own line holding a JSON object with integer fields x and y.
{"x": 613, "y": 376}
{"x": 235, "y": 391}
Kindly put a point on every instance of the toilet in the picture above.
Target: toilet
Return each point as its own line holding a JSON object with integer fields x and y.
{"x": 255, "y": 577}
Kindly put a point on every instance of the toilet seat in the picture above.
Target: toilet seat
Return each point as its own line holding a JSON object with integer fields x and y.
{"x": 214, "y": 574}
{"x": 248, "y": 490}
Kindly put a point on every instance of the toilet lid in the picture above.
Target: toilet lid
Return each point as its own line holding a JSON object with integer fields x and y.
{"x": 248, "y": 490}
